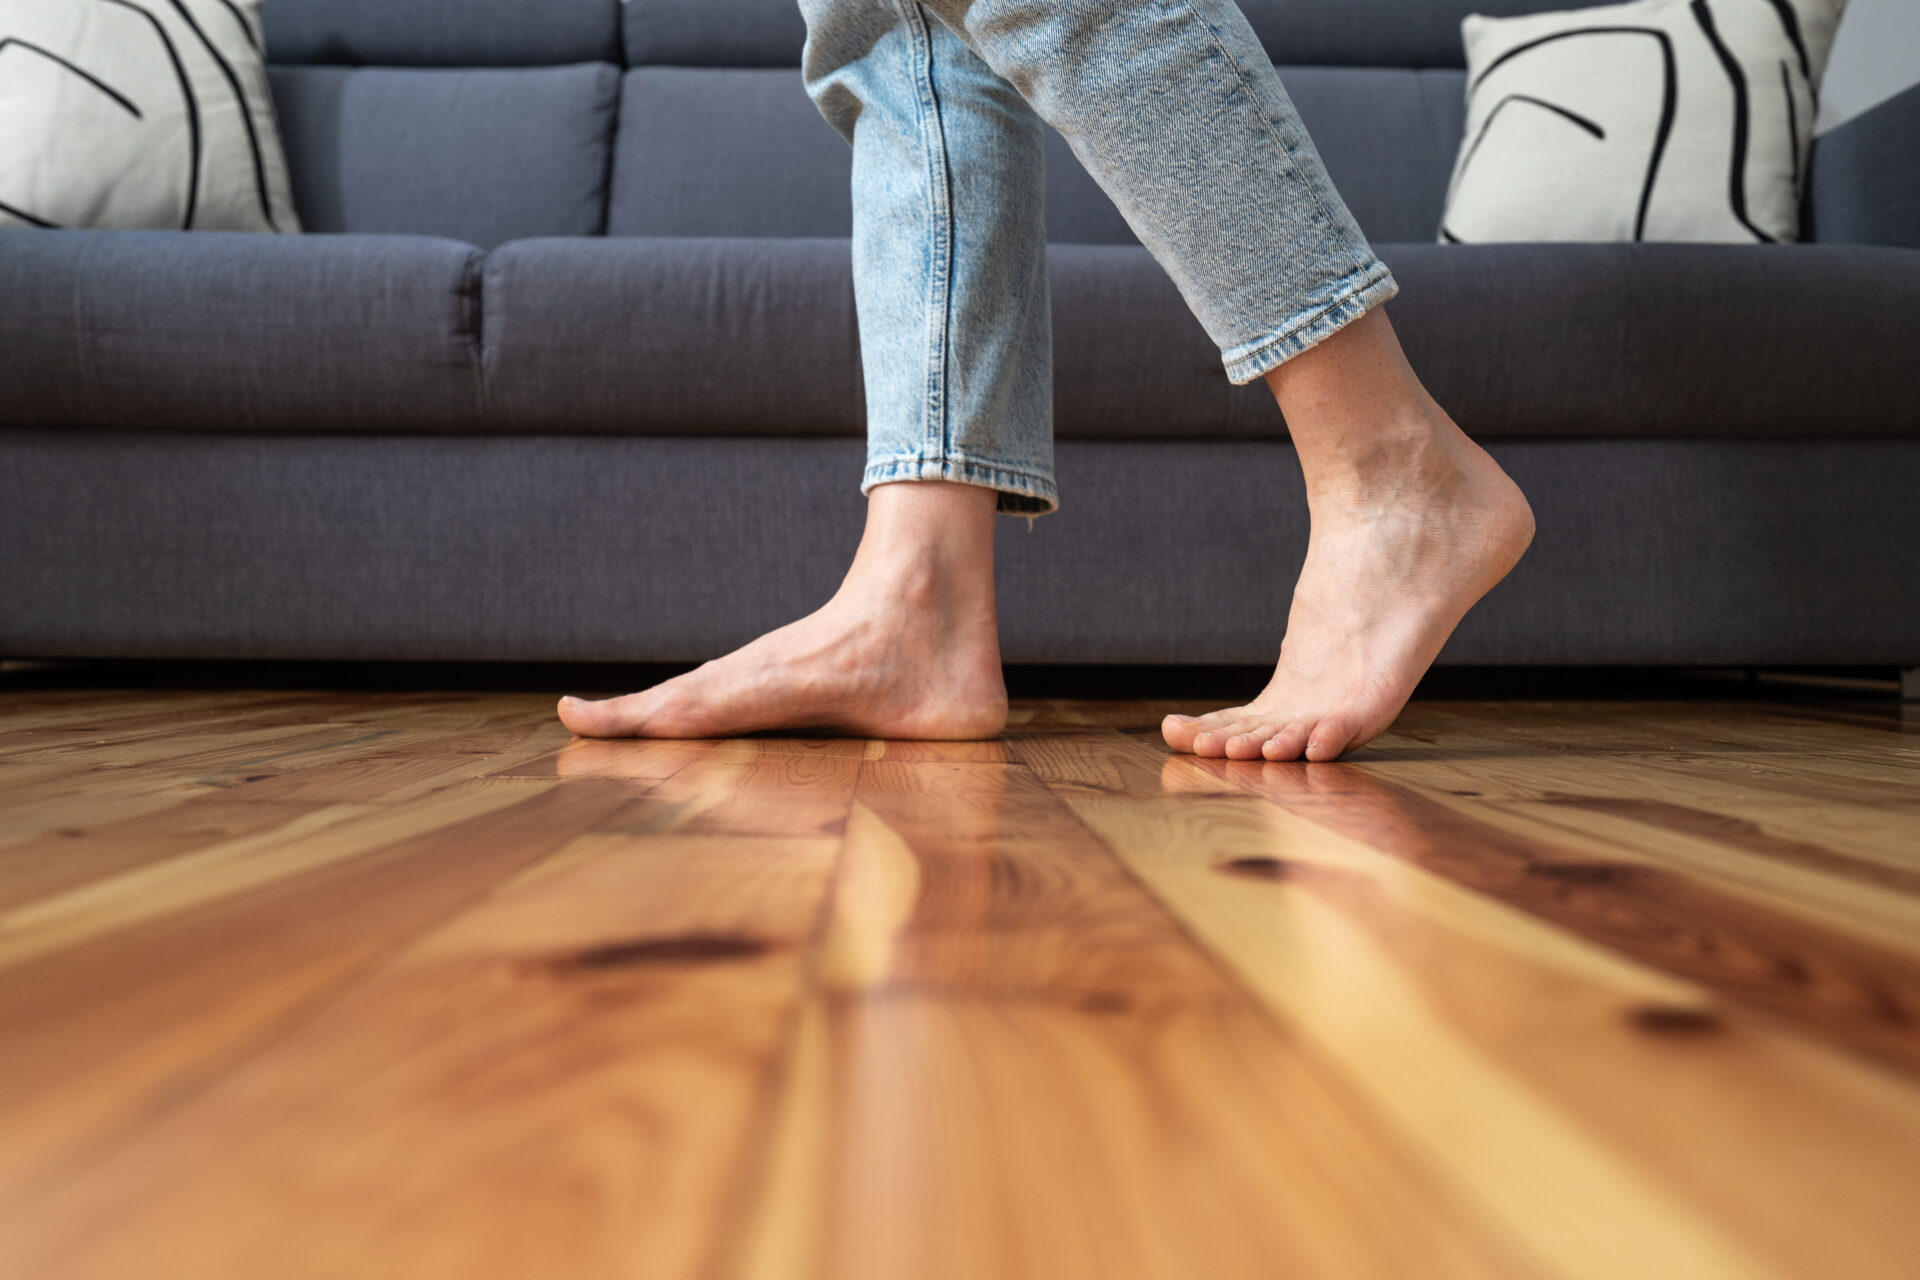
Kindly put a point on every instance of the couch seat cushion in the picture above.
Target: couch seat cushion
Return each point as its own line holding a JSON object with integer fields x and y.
{"x": 1665, "y": 340}
{"x": 670, "y": 336}
{"x": 757, "y": 337}
{"x": 238, "y": 332}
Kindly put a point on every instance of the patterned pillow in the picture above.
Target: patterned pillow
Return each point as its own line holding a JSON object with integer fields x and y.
{"x": 1656, "y": 120}
{"x": 138, "y": 114}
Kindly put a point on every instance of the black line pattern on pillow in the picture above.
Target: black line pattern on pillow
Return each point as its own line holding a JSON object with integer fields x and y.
{"x": 1793, "y": 121}
{"x": 1669, "y": 105}
{"x": 193, "y": 109}
{"x": 1742, "y": 120}
{"x": 193, "y": 101}
{"x": 240, "y": 20}
{"x": 26, "y": 217}
{"x": 7, "y": 42}
{"x": 246, "y": 112}
{"x": 1791, "y": 21}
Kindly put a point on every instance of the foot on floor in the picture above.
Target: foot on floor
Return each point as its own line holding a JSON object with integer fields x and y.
{"x": 1399, "y": 552}
{"x": 907, "y": 648}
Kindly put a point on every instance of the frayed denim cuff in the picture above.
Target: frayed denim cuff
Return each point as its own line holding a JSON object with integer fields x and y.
{"x": 1022, "y": 493}
{"x": 1362, "y": 292}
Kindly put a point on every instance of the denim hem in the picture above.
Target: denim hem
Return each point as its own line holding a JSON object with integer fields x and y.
{"x": 1371, "y": 286}
{"x": 1021, "y": 493}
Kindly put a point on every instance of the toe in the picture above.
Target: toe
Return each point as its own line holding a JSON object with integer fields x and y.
{"x": 1203, "y": 735}
{"x": 1328, "y": 739}
{"x": 578, "y": 715}
{"x": 1213, "y": 740}
{"x": 1246, "y": 744}
{"x": 606, "y": 718}
{"x": 1228, "y": 736}
{"x": 1228, "y": 732}
{"x": 1286, "y": 744}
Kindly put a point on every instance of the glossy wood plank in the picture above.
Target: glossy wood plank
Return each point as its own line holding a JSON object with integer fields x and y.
{"x": 96, "y": 1031}
{"x": 572, "y": 1070}
{"x": 68, "y": 857}
{"x": 413, "y": 985}
{"x": 1840, "y": 983}
{"x": 999, "y": 1009}
{"x": 1532, "y": 1046}
{"x": 308, "y": 841}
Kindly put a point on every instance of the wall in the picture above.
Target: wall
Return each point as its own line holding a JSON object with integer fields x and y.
{"x": 1875, "y": 55}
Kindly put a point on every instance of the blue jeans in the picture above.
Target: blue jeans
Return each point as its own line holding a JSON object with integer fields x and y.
{"x": 1171, "y": 105}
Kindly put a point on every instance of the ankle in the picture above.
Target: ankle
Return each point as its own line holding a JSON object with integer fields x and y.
{"x": 1406, "y": 450}
{"x": 919, "y": 578}
{"x": 927, "y": 544}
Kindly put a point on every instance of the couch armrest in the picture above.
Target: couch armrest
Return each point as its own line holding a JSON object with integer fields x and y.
{"x": 1865, "y": 186}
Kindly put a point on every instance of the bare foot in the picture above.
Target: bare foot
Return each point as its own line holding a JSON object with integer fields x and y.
{"x": 1412, "y": 524}
{"x": 909, "y": 646}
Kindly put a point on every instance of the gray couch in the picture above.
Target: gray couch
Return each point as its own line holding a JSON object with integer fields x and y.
{"x": 568, "y": 371}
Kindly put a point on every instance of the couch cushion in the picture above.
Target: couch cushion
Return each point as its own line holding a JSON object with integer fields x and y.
{"x": 756, "y": 336}
{"x": 1865, "y": 186}
{"x": 1583, "y": 341}
{"x": 443, "y": 33}
{"x": 707, "y": 151}
{"x": 232, "y": 331}
{"x": 1332, "y": 33}
{"x": 713, "y": 33}
{"x": 786, "y": 172}
{"x": 1379, "y": 33}
{"x": 571, "y": 548}
{"x": 484, "y": 155}
{"x": 1665, "y": 340}
{"x": 673, "y": 336}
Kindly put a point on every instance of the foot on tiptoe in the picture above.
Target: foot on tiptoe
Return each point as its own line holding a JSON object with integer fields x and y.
{"x": 907, "y": 648}
{"x": 1400, "y": 550}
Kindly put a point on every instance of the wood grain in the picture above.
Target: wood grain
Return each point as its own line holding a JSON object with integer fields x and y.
{"x": 1527, "y": 1039}
{"x": 413, "y": 985}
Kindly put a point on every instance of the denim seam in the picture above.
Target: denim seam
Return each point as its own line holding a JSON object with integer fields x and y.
{"x": 1240, "y": 76}
{"x": 1251, "y": 360}
{"x": 940, "y": 212}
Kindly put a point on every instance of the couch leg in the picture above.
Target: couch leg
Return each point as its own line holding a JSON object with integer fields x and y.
{"x": 1910, "y": 684}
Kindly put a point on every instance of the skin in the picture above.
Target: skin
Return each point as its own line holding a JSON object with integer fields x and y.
{"x": 1411, "y": 524}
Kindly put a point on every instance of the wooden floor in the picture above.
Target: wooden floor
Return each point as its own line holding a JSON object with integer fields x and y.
{"x": 404, "y": 985}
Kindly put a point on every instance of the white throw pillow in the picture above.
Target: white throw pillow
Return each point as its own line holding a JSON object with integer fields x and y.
{"x": 138, "y": 114}
{"x": 1656, "y": 120}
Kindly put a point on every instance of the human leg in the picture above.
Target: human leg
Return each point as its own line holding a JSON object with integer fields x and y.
{"x": 1174, "y": 107}
{"x": 950, "y": 282}
{"x": 949, "y": 250}
{"x": 1411, "y": 524}
{"x": 1175, "y": 110}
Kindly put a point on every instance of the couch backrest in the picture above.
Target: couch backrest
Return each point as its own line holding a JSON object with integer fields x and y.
{"x": 490, "y": 120}
{"x": 1313, "y": 33}
{"x": 483, "y": 120}
{"x": 740, "y": 151}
